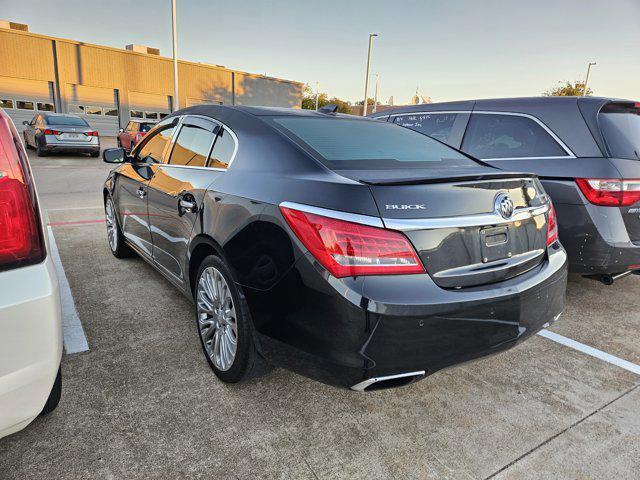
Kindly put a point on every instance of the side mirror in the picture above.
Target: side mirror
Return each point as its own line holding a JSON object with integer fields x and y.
{"x": 25, "y": 123}
{"x": 121, "y": 130}
{"x": 114, "y": 155}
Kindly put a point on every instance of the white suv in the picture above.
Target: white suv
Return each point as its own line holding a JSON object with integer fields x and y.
{"x": 30, "y": 317}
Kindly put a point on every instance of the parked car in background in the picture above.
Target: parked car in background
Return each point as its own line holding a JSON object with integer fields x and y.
{"x": 58, "y": 132}
{"x": 585, "y": 150}
{"x": 355, "y": 252}
{"x": 133, "y": 133}
{"x": 30, "y": 319}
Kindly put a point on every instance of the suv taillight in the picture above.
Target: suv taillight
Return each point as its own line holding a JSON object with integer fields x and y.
{"x": 552, "y": 225}
{"x": 610, "y": 192}
{"x": 349, "y": 249}
{"x": 21, "y": 240}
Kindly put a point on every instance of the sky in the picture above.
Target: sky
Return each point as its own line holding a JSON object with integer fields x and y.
{"x": 449, "y": 50}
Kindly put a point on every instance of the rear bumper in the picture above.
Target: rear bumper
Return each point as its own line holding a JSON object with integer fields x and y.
{"x": 345, "y": 331}
{"x": 30, "y": 342}
{"x": 51, "y": 143}
{"x": 596, "y": 239}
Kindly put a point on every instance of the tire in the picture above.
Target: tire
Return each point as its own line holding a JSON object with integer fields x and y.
{"x": 246, "y": 363}
{"x": 54, "y": 396}
{"x": 115, "y": 238}
{"x": 26, "y": 143}
{"x": 95, "y": 154}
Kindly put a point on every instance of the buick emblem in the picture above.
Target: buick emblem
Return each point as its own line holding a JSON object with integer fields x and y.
{"x": 504, "y": 205}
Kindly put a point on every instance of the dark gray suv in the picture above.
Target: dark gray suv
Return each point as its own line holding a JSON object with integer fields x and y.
{"x": 585, "y": 150}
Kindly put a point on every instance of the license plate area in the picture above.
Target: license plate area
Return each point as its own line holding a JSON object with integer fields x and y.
{"x": 495, "y": 243}
{"x": 71, "y": 136}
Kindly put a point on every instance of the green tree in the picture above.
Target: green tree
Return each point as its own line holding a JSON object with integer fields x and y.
{"x": 309, "y": 101}
{"x": 568, "y": 89}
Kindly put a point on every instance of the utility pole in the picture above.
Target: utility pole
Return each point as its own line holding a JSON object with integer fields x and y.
{"x": 375, "y": 96}
{"x": 586, "y": 80}
{"x": 175, "y": 103}
{"x": 317, "y": 94}
{"x": 366, "y": 79}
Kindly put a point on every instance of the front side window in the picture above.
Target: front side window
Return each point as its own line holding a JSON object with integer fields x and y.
{"x": 223, "y": 150}
{"x": 492, "y": 136}
{"x": 345, "y": 143}
{"x": 25, "y": 105}
{"x": 192, "y": 146}
{"x": 151, "y": 151}
{"x": 437, "y": 125}
{"x": 620, "y": 126}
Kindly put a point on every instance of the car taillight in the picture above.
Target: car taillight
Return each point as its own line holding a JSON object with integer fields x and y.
{"x": 21, "y": 240}
{"x": 552, "y": 225}
{"x": 610, "y": 192}
{"x": 348, "y": 249}
{"x": 91, "y": 134}
{"x": 48, "y": 131}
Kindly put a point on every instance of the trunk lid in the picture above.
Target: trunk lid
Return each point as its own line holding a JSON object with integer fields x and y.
{"x": 456, "y": 224}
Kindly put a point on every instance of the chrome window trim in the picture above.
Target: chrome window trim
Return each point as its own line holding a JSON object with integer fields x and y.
{"x": 481, "y": 220}
{"x": 325, "y": 212}
{"x": 360, "y": 387}
{"x": 570, "y": 154}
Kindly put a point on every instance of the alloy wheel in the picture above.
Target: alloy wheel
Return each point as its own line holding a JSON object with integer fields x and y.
{"x": 112, "y": 229}
{"x": 217, "y": 322}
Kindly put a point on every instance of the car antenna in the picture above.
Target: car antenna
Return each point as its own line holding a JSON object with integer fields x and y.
{"x": 330, "y": 108}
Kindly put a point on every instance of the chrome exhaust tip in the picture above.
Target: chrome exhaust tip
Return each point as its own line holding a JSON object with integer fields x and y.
{"x": 388, "y": 381}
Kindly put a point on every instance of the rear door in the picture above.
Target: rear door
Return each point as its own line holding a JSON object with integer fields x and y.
{"x": 176, "y": 191}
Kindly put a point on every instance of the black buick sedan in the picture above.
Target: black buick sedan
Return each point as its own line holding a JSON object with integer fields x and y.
{"x": 353, "y": 251}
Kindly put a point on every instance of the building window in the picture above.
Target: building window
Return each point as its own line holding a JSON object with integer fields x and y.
{"x": 136, "y": 114}
{"x": 162, "y": 115}
{"x": 45, "y": 107}
{"x": 151, "y": 115}
{"x": 89, "y": 110}
{"x": 76, "y": 109}
{"x": 111, "y": 112}
{"x": 25, "y": 105}
{"x": 4, "y": 103}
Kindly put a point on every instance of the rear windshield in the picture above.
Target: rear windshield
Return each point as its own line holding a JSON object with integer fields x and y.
{"x": 65, "y": 120}
{"x": 620, "y": 126}
{"x": 345, "y": 143}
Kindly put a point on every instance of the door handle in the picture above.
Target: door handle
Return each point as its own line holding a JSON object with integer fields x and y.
{"x": 187, "y": 206}
{"x": 141, "y": 192}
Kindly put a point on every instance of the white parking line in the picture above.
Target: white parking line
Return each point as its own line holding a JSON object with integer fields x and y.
{"x": 72, "y": 332}
{"x": 594, "y": 352}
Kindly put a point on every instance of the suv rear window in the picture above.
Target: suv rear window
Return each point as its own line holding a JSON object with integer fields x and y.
{"x": 620, "y": 127}
{"x": 345, "y": 143}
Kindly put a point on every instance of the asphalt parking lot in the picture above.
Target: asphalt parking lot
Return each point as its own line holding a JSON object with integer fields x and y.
{"x": 142, "y": 402}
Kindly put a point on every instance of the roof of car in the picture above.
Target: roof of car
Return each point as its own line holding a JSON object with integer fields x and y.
{"x": 257, "y": 111}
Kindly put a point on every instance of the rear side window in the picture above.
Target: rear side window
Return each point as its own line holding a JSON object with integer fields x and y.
{"x": 192, "y": 146}
{"x": 508, "y": 136}
{"x": 151, "y": 151}
{"x": 440, "y": 126}
{"x": 362, "y": 144}
{"x": 222, "y": 150}
{"x": 620, "y": 127}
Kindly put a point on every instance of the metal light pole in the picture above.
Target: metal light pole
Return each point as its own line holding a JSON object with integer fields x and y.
{"x": 375, "y": 95}
{"x": 586, "y": 80}
{"x": 176, "y": 104}
{"x": 317, "y": 94}
{"x": 366, "y": 79}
